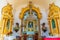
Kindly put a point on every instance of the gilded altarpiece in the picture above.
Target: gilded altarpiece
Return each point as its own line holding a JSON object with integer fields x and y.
{"x": 54, "y": 19}
{"x": 30, "y": 19}
{"x": 7, "y": 19}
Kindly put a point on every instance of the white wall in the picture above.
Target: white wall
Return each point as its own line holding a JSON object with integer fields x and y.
{"x": 2, "y": 4}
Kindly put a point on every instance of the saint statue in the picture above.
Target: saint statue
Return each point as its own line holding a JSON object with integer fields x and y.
{"x": 17, "y": 27}
{"x": 30, "y": 24}
{"x": 44, "y": 29}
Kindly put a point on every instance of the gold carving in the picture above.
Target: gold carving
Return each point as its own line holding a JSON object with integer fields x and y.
{"x": 28, "y": 8}
{"x": 54, "y": 12}
{"x": 7, "y": 15}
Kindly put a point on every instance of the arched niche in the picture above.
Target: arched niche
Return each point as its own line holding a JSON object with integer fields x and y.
{"x": 30, "y": 15}
{"x": 7, "y": 19}
{"x": 54, "y": 19}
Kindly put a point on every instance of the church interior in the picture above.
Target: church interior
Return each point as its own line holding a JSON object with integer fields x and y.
{"x": 29, "y": 19}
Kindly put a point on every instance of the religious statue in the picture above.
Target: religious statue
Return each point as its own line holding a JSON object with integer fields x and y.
{"x": 44, "y": 29}
{"x": 17, "y": 27}
{"x": 8, "y": 24}
{"x": 30, "y": 24}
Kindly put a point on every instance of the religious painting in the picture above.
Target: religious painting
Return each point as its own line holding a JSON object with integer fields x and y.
{"x": 53, "y": 24}
{"x": 8, "y": 24}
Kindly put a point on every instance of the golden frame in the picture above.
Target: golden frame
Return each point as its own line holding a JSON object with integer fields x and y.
{"x": 54, "y": 14}
{"x": 7, "y": 15}
{"x": 21, "y": 16}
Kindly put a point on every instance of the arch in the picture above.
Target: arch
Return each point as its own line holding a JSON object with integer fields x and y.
{"x": 30, "y": 24}
{"x": 28, "y": 8}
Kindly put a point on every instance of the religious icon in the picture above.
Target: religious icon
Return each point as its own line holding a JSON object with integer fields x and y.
{"x": 30, "y": 24}
{"x": 8, "y": 24}
{"x": 53, "y": 24}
